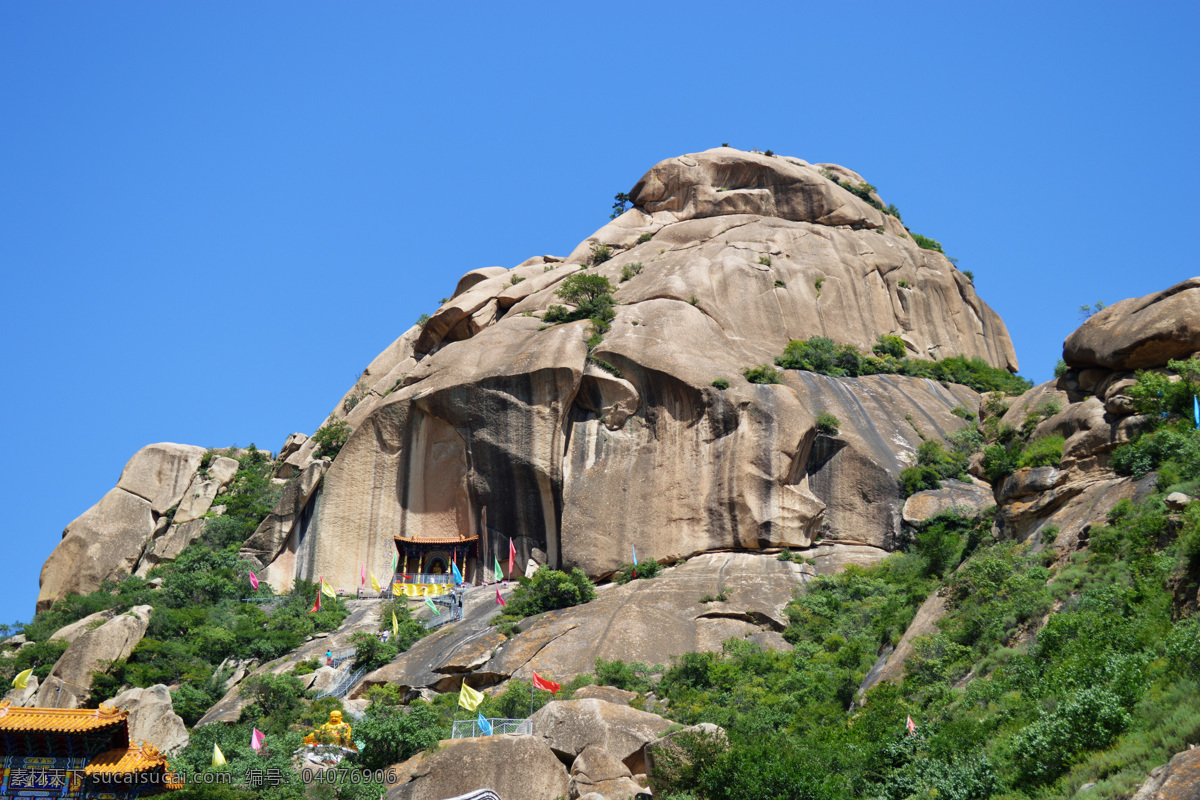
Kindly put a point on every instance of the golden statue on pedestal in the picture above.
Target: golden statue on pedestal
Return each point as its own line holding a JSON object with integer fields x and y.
{"x": 334, "y": 732}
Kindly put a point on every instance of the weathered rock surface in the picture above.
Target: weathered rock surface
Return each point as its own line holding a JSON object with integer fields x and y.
{"x": 483, "y": 424}
{"x": 105, "y": 542}
{"x": 609, "y": 694}
{"x": 1178, "y": 779}
{"x": 23, "y": 698}
{"x": 71, "y": 632}
{"x": 512, "y": 766}
{"x": 160, "y": 473}
{"x": 277, "y": 539}
{"x": 924, "y": 624}
{"x": 971, "y": 497}
{"x": 1140, "y": 332}
{"x": 70, "y": 680}
{"x": 169, "y": 544}
{"x": 595, "y": 770}
{"x": 152, "y": 717}
{"x": 572, "y": 726}
{"x": 644, "y": 620}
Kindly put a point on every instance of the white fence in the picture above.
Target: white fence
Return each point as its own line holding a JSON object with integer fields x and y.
{"x": 468, "y": 728}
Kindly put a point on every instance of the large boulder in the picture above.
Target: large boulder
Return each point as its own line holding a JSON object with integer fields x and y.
{"x": 104, "y": 543}
{"x": 514, "y": 767}
{"x": 1178, "y": 779}
{"x": 152, "y": 718}
{"x": 1140, "y": 332}
{"x": 970, "y": 498}
{"x": 621, "y": 731}
{"x": 487, "y": 424}
{"x": 160, "y": 473}
{"x": 70, "y": 681}
{"x": 596, "y": 770}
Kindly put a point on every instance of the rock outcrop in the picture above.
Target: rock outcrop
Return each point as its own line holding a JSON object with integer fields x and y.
{"x": 574, "y": 726}
{"x": 488, "y": 423}
{"x": 645, "y": 620}
{"x": 150, "y": 515}
{"x": 152, "y": 717}
{"x": 69, "y": 682}
{"x": 1178, "y": 779}
{"x": 511, "y": 766}
{"x": 1140, "y": 332}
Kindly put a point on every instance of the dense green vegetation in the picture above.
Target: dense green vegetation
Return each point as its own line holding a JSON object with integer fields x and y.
{"x": 547, "y": 590}
{"x": 822, "y": 355}
{"x": 331, "y": 438}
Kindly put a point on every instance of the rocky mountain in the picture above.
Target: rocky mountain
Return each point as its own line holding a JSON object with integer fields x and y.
{"x": 623, "y": 396}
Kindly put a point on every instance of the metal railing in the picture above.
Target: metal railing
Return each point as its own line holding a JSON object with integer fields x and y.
{"x": 468, "y": 728}
{"x": 342, "y": 685}
{"x": 341, "y": 656}
{"x": 443, "y": 619}
{"x": 425, "y": 577}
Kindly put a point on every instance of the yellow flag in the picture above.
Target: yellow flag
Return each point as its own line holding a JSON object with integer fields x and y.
{"x": 327, "y": 590}
{"x": 22, "y": 679}
{"x": 468, "y": 698}
{"x": 218, "y": 756}
{"x": 375, "y": 582}
{"x": 395, "y": 627}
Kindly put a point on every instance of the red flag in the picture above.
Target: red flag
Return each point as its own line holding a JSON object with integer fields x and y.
{"x": 541, "y": 683}
{"x": 512, "y": 558}
{"x": 499, "y": 599}
{"x": 254, "y": 580}
{"x": 363, "y": 581}
{"x": 316, "y": 606}
{"x": 912, "y": 726}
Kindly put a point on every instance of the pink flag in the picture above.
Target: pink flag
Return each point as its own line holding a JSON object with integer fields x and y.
{"x": 512, "y": 557}
{"x": 499, "y": 599}
{"x": 254, "y": 580}
{"x": 256, "y": 740}
{"x": 364, "y": 574}
{"x": 912, "y": 726}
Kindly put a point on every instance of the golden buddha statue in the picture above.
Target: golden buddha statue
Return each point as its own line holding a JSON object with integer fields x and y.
{"x": 335, "y": 731}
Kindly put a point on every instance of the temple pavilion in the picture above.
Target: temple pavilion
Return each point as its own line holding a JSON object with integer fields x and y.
{"x": 77, "y": 753}
{"x": 430, "y": 553}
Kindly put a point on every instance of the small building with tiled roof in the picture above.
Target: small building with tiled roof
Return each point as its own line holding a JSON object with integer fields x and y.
{"x": 82, "y": 754}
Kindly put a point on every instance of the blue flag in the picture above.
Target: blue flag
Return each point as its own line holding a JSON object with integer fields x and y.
{"x": 484, "y": 725}
{"x": 1196, "y": 400}
{"x": 634, "y": 546}
{"x": 456, "y": 573}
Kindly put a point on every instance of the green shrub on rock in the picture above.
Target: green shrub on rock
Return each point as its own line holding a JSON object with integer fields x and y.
{"x": 763, "y": 373}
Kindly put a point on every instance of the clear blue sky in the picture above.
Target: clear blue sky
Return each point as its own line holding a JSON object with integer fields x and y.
{"x": 213, "y": 215}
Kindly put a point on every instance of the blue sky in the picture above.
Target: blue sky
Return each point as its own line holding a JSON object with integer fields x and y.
{"x": 213, "y": 215}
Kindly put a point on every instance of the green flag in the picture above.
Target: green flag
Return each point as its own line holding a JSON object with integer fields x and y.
{"x": 499, "y": 574}
{"x": 394, "y": 559}
{"x": 432, "y": 607}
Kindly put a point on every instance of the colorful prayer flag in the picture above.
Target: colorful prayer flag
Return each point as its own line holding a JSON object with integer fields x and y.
{"x": 457, "y": 575}
{"x": 484, "y": 725}
{"x": 254, "y": 580}
{"x": 512, "y": 557}
{"x": 499, "y": 574}
{"x": 395, "y": 560}
{"x": 256, "y": 740}
{"x": 634, "y": 546}
{"x": 375, "y": 583}
{"x": 395, "y": 627}
{"x": 541, "y": 683}
{"x": 912, "y": 726}
{"x": 432, "y": 607}
{"x": 362, "y": 581}
{"x": 499, "y": 599}
{"x": 468, "y": 698}
{"x": 317, "y": 605}
{"x": 1196, "y": 402}
{"x": 327, "y": 590}
{"x": 22, "y": 679}
{"x": 218, "y": 757}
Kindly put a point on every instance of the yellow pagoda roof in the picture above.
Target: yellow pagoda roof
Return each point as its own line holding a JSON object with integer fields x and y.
{"x": 436, "y": 539}
{"x": 125, "y": 760}
{"x": 60, "y": 720}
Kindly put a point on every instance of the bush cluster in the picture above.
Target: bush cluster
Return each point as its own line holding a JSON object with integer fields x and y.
{"x": 822, "y": 355}
{"x": 592, "y": 297}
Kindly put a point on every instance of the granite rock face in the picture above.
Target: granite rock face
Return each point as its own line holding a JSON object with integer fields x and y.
{"x": 488, "y": 423}
{"x": 1140, "y": 332}
{"x": 70, "y": 680}
{"x": 152, "y": 717}
{"x": 511, "y": 766}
